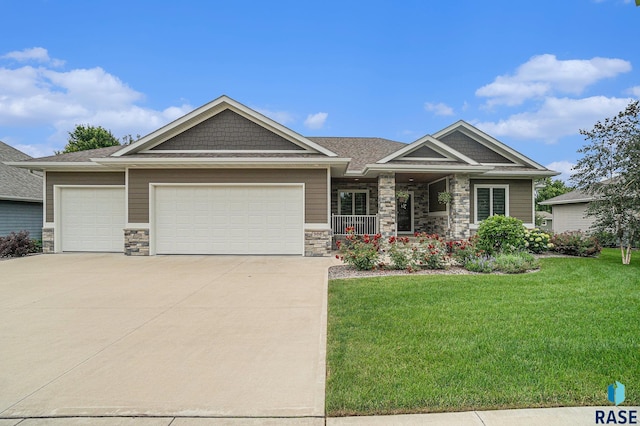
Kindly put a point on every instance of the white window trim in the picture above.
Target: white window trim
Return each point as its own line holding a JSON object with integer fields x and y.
{"x": 491, "y": 187}
{"x": 446, "y": 208}
{"x": 365, "y": 191}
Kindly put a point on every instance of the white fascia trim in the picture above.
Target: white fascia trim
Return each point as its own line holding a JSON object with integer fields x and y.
{"x": 455, "y": 153}
{"x": 227, "y": 151}
{"x": 219, "y": 160}
{"x": 488, "y": 141}
{"x": 317, "y": 226}
{"x": 22, "y": 199}
{"x": 209, "y": 110}
{"x": 47, "y": 165}
{"x": 506, "y": 173}
{"x": 555, "y": 203}
{"x": 429, "y": 168}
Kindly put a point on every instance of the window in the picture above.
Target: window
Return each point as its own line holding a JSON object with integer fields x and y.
{"x": 435, "y": 208}
{"x": 491, "y": 200}
{"x": 353, "y": 202}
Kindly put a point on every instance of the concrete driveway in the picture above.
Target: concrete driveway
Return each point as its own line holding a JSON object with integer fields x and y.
{"x": 111, "y": 335}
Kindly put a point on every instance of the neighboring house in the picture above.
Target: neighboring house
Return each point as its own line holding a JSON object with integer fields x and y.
{"x": 224, "y": 179}
{"x": 569, "y": 211}
{"x": 20, "y": 195}
{"x": 546, "y": 221}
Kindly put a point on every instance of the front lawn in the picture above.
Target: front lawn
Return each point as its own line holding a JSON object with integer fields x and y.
{"x": 558, "y": 337}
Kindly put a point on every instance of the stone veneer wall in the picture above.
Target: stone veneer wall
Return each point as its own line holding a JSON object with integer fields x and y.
{"x": 317, "y": 243}
{"x": 438, "y": 225}
{"x": 387, "y": 204}
{"x": 460, "y": 207}
{"x": 48, "y": 241}
{"x": 420, "y": 204}
{"x": 136, "y": 242}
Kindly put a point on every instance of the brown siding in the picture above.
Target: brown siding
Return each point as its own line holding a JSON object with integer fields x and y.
{"x": 227, "y": 131}
{"x": 424, "y": 152}
{"x": 315, "y": 186}
{"x": 473, "y": 149}
{"x": 78, "y": 178}
{"x": 520, "y": 197}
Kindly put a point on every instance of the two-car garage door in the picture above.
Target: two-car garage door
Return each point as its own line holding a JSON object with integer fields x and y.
{"x": 188, "y": 219}
{"x": 228, "y": 219}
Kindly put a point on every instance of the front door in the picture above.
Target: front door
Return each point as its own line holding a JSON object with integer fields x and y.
{"x": 404, "y": 217}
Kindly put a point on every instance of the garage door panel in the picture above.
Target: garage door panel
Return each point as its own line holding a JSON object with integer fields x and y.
{"x": 92, "y": 219}
{"x": 229, "y": 219}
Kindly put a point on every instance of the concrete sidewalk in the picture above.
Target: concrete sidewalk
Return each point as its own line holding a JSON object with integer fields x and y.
{"x": 566, "y": 416}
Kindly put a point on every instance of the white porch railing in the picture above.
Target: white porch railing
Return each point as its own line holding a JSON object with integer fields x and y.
{"x": 362, "y": 224}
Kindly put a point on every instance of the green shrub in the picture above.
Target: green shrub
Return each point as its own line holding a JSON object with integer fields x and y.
{"x": 576, "y": 244}
{"x": 360, "y": 251}
{"x": 606, "y": 239}
{"x": 17, "y": 245}
{"x": 537, "y": 241}
{"x": 515, "y": 263}
{"x": 498, "y": 234}
{"x": 483, "y": 263}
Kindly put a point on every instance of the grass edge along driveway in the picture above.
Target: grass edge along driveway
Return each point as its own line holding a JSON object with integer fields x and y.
{"x": 557, "y": 337}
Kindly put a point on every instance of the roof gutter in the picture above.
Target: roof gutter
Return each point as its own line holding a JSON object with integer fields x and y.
{"x": 25, "y": 199}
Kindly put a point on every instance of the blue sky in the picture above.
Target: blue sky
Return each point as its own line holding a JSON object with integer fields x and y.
{"x": 530, "y": 73}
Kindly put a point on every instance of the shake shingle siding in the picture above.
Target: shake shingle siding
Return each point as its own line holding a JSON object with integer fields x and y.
{"x": 472, "y": 149}
{"x": 227, "y": 131}
{"x": 17, "y": 216}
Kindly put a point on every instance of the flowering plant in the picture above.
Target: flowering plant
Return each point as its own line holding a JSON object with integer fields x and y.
{"x": 361, "y": 251}
{"x": 537, "y": 241}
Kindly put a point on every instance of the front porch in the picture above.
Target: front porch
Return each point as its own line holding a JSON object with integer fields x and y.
{"x": 371, "y": 206}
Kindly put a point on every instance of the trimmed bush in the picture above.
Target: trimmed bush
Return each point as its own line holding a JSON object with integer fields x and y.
{"x": 537, "y": 241}
{"x": 576, "y": 244}
{"x": 498, "y": 234}
{"x": 17, "y": 245}
{"x": 515, "y": 263}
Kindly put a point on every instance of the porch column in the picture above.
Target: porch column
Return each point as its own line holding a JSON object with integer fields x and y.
{"x": 460, "y": 208}
{"x": 387, "y": 204}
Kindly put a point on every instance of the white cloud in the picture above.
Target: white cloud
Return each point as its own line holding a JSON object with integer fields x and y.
{"x": 316, "y": 121}
{"x": 564, "y": 167}
{"x": 41, "y": 96}
{"x": 634, "y": 91}
{"x": 34, "y": 54}
{"x": 556, "y": 118}
{"x": 282, "y": 117}
{"x": 545, "y": 75}
{"x": 439, "y": 108}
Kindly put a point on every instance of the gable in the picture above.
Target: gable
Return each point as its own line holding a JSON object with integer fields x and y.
{"x": 473, "y": 149}
{"x": 227, "y": 131}
{"x": 424, "y": 152}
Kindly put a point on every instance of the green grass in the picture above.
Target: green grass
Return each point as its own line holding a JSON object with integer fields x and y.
{"x": 557, "y": 337}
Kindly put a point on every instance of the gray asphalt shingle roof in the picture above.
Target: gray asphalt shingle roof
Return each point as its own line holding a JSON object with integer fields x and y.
{"x": 569, "y": 197}
{"x": 17, "y": 183}
{"x": 362, "y": 151}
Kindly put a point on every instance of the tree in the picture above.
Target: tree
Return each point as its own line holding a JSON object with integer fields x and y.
{"x": 552, "y": 188}
{"x": 610, "y": 172}
{"x": 89, "y": 137}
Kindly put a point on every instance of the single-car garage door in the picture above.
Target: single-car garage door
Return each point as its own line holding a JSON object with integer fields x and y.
{"x": 229, "y": 219}
{"x": 92, "y": 219}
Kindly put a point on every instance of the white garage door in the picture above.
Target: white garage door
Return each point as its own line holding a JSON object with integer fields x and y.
{"x": 92, "y": 219}
{"x": 229, "y": 219}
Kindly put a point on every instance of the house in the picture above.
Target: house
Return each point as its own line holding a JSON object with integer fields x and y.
{"x": 570, "y": 211}
{"x": 546, "y": 220}
{"x": 20, "y": 195}
{"x": 224, "y": 179}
